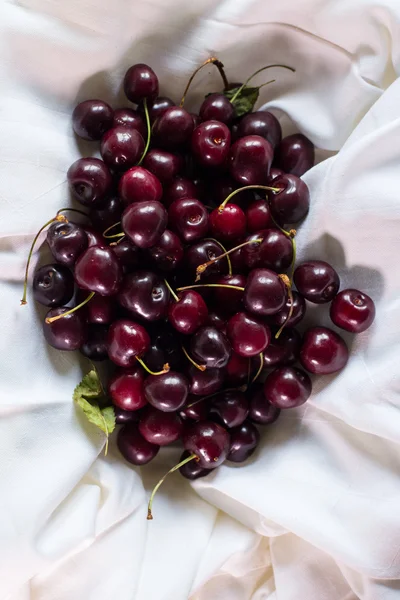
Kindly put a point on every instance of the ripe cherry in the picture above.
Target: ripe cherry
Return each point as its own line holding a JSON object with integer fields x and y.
{"x": 265, "y": 292}
{"x": 89, "y": 181}
{"x": 258, "y": 216}
{"x": 95, "y": 345}
{"x": 291, "y": 204}
{"x": 133, "y": 447}
{"x": 144, "y": 223}
{"x": 203, "y": 383}
{"x": 140, "y": 83}
{"x": 248, "y": 335}
{"x": 208, "y": 441}
{"x": 127, "y": 254}
{"x": 352, "y": 310}
{"x": 317, "y": 281}
{"x": 298, "y": 311}
{"x": 107, "y": 214}
{"x": 91, "y": 119}
{"x": 126, "y": 341}
{"x": 68, "y": 333}
{"x": 217, "y": 107}
{"x": 178, "y": 189}
{"x": 244, "y": 440}
{"x": 237, "y": 371}
{"x": 195, "y": 409}
{"x": 192, "y": 469}
{"x": 160, "y": 428}
{"x": 66, "y": 241}
{"x": 164, "y": 165}
{"x": 189, "y": 219}
{"x": 139, "y": 185}
{"x": 228, "y": 224}
{"x": 190, "y": 313}
{"x": 202, "y": 252}
{"x": 323, "y": 351}
{"x": 250, "y": 160}
{"x": 229, "y": 301}
{"x": 173, "y": 128}
{"x": 121, "y": 148}
{"x": 126, "y": 389}
{"x": 158, "y": 107}
{"x": 53, "y": 285}
{"x": 210, "y": 347}
{"x": 262, "y": 123}
{"x": 145, "y": 295}
{"x": 284, "y": 350}
{"x": 210, "y": 143}
{"x": 167, "y": 392}
{"x": 261, "y": 410}
{"x": 168, "y": 253}
{"x": 126, "y": 117}
{"x": 98, "y": 270}
{"x": 229, "y": 408}
{"x": 295, "y": 154}
{"x": 287, "y": 387}
{"x": 275, "y": 251}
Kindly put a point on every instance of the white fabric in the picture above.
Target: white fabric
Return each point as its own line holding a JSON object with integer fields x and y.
{"x": 315, "y": 514}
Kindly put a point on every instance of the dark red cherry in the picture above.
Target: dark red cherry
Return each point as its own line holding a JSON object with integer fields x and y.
{"x": 121, "y": 147}
{"x": 100, "y": 310}
{"x": 317, "y": 281}
{"x": 167, "y": 254}
{"x": 94, "y": 237}
{"x": 178, "y": 189}
{"x": 189, "y": 219}
{"x": 126, "y": 117}
{"x": 98, "y": 270}
{"x": 190, "y": 313}
{"x": 164, "y": 165}
{"x": 145, "y": 295}
{"x": 140, "y": 83}
{"x": 229, "y": 408}
{"x": 237, "y": 261}
{"x": 244, "y": 441}
{"x": 217, "y": 107}
{"x": 258, "y": 216}
{"x": 68, "y": 333}
{"x": 210, "y": 347}
{"x": 167, "y": 392}
{"x": 144, "y": 223}
{"x": 208, "y": 441}
{"x": 295, "y": 154}
{"x": 106, "y": 215}
{"x": 158, "y": 107}
{"x": 298, "y": 311}
{"x": 126, "y": 341}
{"x": 127, "y": 254}
{"x": 125, "y": 416}
{"x": 284, "y": 350}
{"x": 287, "y": 387}
{"x": 133, "y": 447}
{"x": 274, "y": 173}
{"x": 262, "y": 123}
{"x": 66, "y": 241}
{"x": 229, "y": 224}
{"x": 173, "y": 128}
{"x": 160, "y": 428}
{"x": 53, "y": 285}
{"x": 139, "y": 185}
{"x": 210, "y": 143}
{"x": 248, "y": 335}
{"x": 215, "y": 320}
{"x": 91, "y": 119}
{"x": 203, "y": 383}
{"x": 201, "y": 253}
{"x": 250, "y": 160}
{"x": 353, "y": 311}
{"x": 274, "y": 252}
{"x": 195, "y": 409}
{"x": 126, "y": 389}
{"x": 95, "y": 345}
{"x": 261, "y": 411}
{"x": 323, "y": 351}
{"x": 229, "y": 301}
{"x": 192, "y": 469}
{"x": 89, "y": 181}
{"x": 292, "y": 203}
{"x": 265, "y": 293}
{"x": 237, "y": 371}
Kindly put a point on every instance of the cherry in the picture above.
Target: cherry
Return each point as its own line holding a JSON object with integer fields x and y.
{"x": 53, "y": 285}
{"x": 121, "y": 147}
{"x": 190, "y": 313}
{"x": 95, "y": 345}
{"x": 352, "y": 310}
{"x": 189, "y": 219}
{"x": 274, "y": 173}
{"x": 158, "y": 107}
{"x": 89, "y": 181}
{"x": 66, "y": 241}
{"x": 133, "y": 447}
{"x": 284, "y": 350}
{"x": 244, "y": 441}
{"x": 323, "y": 351}
{"x": 210, "y": 347}
{"x": 248, "y": 335}
{"x": 126, "y": 389}
{"x": 106, "y": 215}
{"x": 228, "y": 224}
{"x": 262, "y": 123}
{"x": 292, "y": 203}
{"x": 179, "y": 188}
{"x": 230, "y": 409}
{"x": 258, "y": 216}
{"x": 217, "y": 107}
{"x": 164, "y": 165}
{"x": 295, "y": 154}
{"x": 195, "y": 409}
{"x": 144, "y": 223}
{"x": 208, "y": 441}
{"x": 261, "y": 410}
{"x": 287, "y": 387}
{"x": 68, "y": 333}
{"x": 317, "y": 281}
{"x": 173, "y": 128}
{"x": 191, "y": 470}
{"x": 215, "y": 320}
{"x": 140, "y": 83}
{"x": 167, "y": 341}
{"x": 237, "y": 261}
{"x": 139, "y": 185}
{"x": 126, "y": 117}
{"x": 160, "y": 428}
{"x": 91, "y": 119}
{"x": 124, "y": 416}
{"x": 229, "y": 300}
{"x": 94, "y": 237}
{"x": 250, "y": 160}
{"x": 202, "y": 252}
{"x": 126, "y": 341}
{"x": 167, "y": 392}
{"x": 127, "y": 254}
{"x": 237, "y": 370}
{"x": 98, "y": 270}
{"x": 168, "y": 253}
{"x": 265, "y": 292}
{"x": 203, "y": 383}
{"x": 210, "y": 143}
{"x": 274, "y": 252}
{"x": 144, "y": 295}
{"x": 298, "y": 311}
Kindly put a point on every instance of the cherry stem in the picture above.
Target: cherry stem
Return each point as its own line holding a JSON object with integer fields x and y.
{"x": 214, "y": 61}
{"x": 75, "y": 210}
{"x": 239, "y": 91}
{"x": 146, "y": 368}
{"x": 171, "y": 291}
{"x": 119, "y": 241}
{"x": 201, "y": 268}
{"x": 247, "y": 187}
{"x": 146, "y": 112}
{"x": 228, "y": 260}
{"x": 199, "y": 367}
{"x": 290, "y": 294}
{"x": 260, "y": 368}
{"x": 72, "y": 310}
{"x": 109, "y": 229}
{"x": 175, "y": 468}
{"x": 59, "y": 218}
{"x": 217, "y": 285}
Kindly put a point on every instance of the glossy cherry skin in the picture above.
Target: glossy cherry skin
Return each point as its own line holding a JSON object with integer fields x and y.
{"x": 68, "y": 333}
{"x": 133, "y": 447}
{"x": 179, "y": 188}
{"x": 91, "y": 119}
{"x": 274, "y": 173}
{"x": 217, "y": 107}
{"x": 168, "y": 253}
{"x": 164, "y": 165}
{"x": 208, "y": 441}
{"x": 210, "y": 347}
{"x": 203, "y": 383}
{"x": 215, "y": 320}
{"x": 258, "y": 216}
{"x": 160, "y": 428}
{"x": 229, "y": 224}
{"x": 201, "y": 253}
{"x": 195, "y": 409}
{"x": 127, "y": 254}
{"x": 261, "y": 410}
{"x": 292, "y": 203}
{"x": 126, "y": 341}
{"x": 173, "y": 128}
{"x": 140, "y": 83}
{"x": 229, "y": 301}
{"x": 248, "y": 335}
{"x": 262, "y": 123}
{"x": 95, "y": 345}
{"x": 274, "y": 252}
{"x": 295, "y": 154}
{"x": 265, "y": 293}
{"x": 126, "y": 117}
{"x": 121, "y": 147}
{"x": 126, "y": 389}
{"x": 287, "y": 387}
{"x": 323, "y": 351}
{"x": 317, "y": 281}
{"x": 229, "y": 408}
{"x": 190, "y": 313}
{"x": 66, "y": 241}
{"x": 244, "y": 440}
{"x": 94, "y": 237}
{"x": 353, "y": 311}
{"x": 250, "y": 160}
{"x": 98, "y": 270}
{"x": 189, "y": 219}
{"x": 107, "y": 214}
{"x": 53, "y": 285}
{"x": 144, "y": 223}
{"x": 237, "y": 370}
{"x": 210, "y": 143}
{"x": 298, "y": 312}
{"x": 145, "y": 295}
{"x": 138, "y": 185}
{"x": 283, "y": 351}
{"x": 89, "y": 181}
{"x": 158, "y": 107}
{"x": 192, "y": 469}
{"x": 167, "y": 392}
{"x": 125, "y": 416}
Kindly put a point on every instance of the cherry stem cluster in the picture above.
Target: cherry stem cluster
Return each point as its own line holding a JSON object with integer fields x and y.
{"x": 201, "y": 268}
{"x": 213, "y": 61}
{"x": 267, "y": 188}
{"x": 190, "y": 359}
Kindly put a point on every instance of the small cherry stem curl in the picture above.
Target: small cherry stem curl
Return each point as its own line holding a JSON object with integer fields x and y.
{"x": 266, "y": 188}
{"x": 260, "y": 368}
{"x": 110, "y": 228}
{"x": 148, "y": 125}
{"x": 216, "y": 285}
{"x": 190, "y": 359}
{"x": 165, "y": 368}
{"x": 59, "y": 218}
{"x": 210, "y": 61}
{"x": 239, "y": 91}
{"x": 72, "y": 310}
{"x": 175, "y": 468}
{"x": 175, "y": 297}
{"x": 201, "y": 268}
{"x": 228, "y": 260}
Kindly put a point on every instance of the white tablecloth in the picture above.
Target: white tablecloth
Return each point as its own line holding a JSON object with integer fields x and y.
{"x": 315, "y": 514}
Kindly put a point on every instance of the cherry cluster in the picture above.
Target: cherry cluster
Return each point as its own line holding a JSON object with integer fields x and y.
{"x": 183, "y": 277}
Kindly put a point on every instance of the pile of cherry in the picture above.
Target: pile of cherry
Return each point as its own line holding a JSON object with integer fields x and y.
{"x": 182, "y": 273}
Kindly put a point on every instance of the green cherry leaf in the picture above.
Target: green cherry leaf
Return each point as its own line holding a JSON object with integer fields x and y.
{"x": 244, "y": 101}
